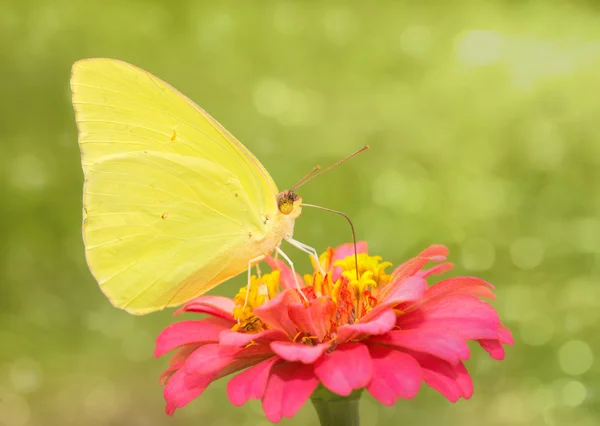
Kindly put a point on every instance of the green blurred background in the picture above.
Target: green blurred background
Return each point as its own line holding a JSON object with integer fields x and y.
{"x": 483, "y": 118}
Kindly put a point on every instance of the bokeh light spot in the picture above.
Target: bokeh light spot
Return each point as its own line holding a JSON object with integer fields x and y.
{"x": 275, "y": 99}
{"x": 26, "y": 375}
{"x": 527, "y": 253}
{"x": 573, "y": 393}
{"x": 586, "y": 234}
{"x": 478, "y": 47}
{"x": 478, "y": 254}
{"x": 575, "y": 357}
{"x": 272, "y": 97}
{"x": 28, "y": 172}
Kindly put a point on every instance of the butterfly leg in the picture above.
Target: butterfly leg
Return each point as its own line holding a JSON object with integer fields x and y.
{"x": 289, "y": 261}
{"x": 250, "y": 262}
{"x": 308, "y": 250}
{"x": 258, "y": 272}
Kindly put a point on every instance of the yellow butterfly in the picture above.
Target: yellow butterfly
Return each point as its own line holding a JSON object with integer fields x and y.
{"x": 173, "y": 204}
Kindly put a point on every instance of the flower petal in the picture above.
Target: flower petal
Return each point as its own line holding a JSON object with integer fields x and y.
{"x": 372, "y": 327}
{"x": 434, "y": 253}
{"x": 314, "y": 319}
{"x": 445, "y": 346}
{"x": 182, "y": 388}
{"x": 207, "y": 364}
{"x": 468, "y": 286}
{"x": 465, "y": 316}
{"x": 396, "y": 293}
{"x": 289, "y": 387}
{"x": 464, "y": 380}
{"x": 395, "y": 375}
{"x": 505, "y": 336}
{"x": 435, "y": 270}
{"x": 493, "y": 347}
{"x": 213, "y": 305}
{"x": 344, "y": 250}
{"x": 286, "y": 277}
{"x": 251, "y": 383}
{"x": 452, "y": 381}
{"x": 275, "y": 312}
{"x": 210, "y": 358}
{"x": 234, "y": 338}
{"x": 246, "y": 358}
{"x": 306, "y": 354}
{"x": 347, "y": 368}
{"x": 166, "y": 375}
{"x": 176, "y": 362}
{"x": 192, "y": 332}
{"x": 400, "y": 291}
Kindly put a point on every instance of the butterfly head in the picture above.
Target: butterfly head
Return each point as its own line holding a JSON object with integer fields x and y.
{"x": 289, "y": 203}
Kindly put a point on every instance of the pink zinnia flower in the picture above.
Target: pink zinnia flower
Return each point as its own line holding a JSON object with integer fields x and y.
{"x": 385, "y": 333}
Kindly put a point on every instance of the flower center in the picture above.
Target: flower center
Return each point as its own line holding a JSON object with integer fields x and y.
{"x": 352, "y": 297}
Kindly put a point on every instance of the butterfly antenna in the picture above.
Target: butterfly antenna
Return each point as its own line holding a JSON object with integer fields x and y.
{"x": 349, "y": 221}
{"x": 305, "y": 177}
{"x": 311, "y": 175}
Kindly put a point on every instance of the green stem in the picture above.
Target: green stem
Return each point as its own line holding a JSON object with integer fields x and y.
{"x": 335, "y": 410}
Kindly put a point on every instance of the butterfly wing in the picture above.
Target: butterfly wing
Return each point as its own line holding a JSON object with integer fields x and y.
{"x": 170, "y": 197}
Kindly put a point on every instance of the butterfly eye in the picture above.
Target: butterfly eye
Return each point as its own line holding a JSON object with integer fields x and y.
{"x": 285, "y": 205}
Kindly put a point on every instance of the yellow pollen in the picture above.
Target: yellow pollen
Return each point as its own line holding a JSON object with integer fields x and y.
{"x": 261, "y": 290}
{"x": 352, "y": 298}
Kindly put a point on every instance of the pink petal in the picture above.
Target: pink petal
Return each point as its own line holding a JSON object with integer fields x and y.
{"x": 452, "y": 381}
{"x": 210, "y": 358}
{"x": 286, "y": 278}
{"x": 246, "y": 358}
{"x": 275, "y": 312}
{"x": 493, "y": 347}
{"x": 466, "y": 329}
{"x": 345, "y": 369}
{"x": 464, "y": 316}
{"x": 192, "y": 332}
{"x": 445, "y": 346}
{"x": 505, "y": 336}
{"x": 289, "y": 387}
{"x": 166, "y": 375}
{"x": 434, "y": 253}
{"x": 372, "y": 327}
{"x": 464, "y": 380}
{"x": 400, "y": 291}
{"x": 314, "y": 319}
{"x": 468, "y": 286}
{"x": 436, "y": 270}
{"x": 233, "y": 338}
{"x": 212, "y": 305}
{"x": 299, "y": 352}
{"x": 396, "y": 293}
{"x": 344, "y": 250}
{"x": 209, "y": 363}
{"x": 251, "y": 383}
{"x": 395, "y": 375}
{"x": 182, "y": 388}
